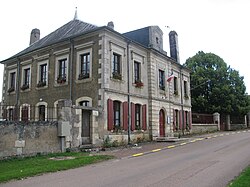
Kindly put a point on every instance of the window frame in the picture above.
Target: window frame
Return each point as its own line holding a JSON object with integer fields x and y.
{"x": 42, "y": 77}
{"x": 137, "y": 71}
{"x": 117, "y": 114}
{"x": 161, "y": 79}
{"x": 138, "y": 117}
{"x": 175, "y": 85}
{"x": 79, "y": 76}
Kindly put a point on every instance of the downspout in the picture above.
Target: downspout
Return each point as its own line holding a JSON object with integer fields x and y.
{"x": 17, "y": 88}
{"x": 129, "y": 105}
{"x": 182, "y": 110}
{"x": 71, "y": 69}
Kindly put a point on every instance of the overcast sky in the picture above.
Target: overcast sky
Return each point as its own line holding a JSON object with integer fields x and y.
{"x": 218, "y": 26}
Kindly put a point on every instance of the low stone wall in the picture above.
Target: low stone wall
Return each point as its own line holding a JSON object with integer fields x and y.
{"x": 28, "y": 139}
{"x": 204, "y": 128}
{"x": 237, "y": 126}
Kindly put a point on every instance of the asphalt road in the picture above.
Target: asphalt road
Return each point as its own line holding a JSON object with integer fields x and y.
{"x": 213, "y": 161}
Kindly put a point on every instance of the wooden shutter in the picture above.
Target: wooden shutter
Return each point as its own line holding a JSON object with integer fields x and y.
{"x": 144, "y": 117}
{"x": 190, "y": 120}
{"x": 110, "y": 114}
{"x": 185, "y": 121}
{"x": 132, "y": 116}
{"x": 174, "y": 121}
{"x": 180, "y": 118}
{"x": 125, "y": 115}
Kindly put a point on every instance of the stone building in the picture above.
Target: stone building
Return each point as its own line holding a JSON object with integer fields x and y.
{"x": 125, "y": 85}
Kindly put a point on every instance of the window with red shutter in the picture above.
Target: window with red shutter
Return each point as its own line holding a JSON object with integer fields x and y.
{"x": 125, "y": 115}
{"x": 132, "y": 116}
{"x": 144, "y": 117}
{"x": 110, "y": 115}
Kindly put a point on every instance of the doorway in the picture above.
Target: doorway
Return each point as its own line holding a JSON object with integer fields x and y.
{"x": 162, "y": 123}
{"x": 86, "y": 126}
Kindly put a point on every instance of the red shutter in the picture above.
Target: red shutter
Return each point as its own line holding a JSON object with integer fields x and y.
{"x": 190, "y": 120}
{"x": 132, "y": 116}
{"x": 144, "y": 117}
{"x": 174, "y": 122}
{"x": 110, "y": 114}
{"x": 125, "y": 115}
{"x": 185, "y": 121}
{"x": 180, "y": 119}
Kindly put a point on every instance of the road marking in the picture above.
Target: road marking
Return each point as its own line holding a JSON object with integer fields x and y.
{"x": 138, "y": 154}
{"x": 156, "y": 150}
{"x": 215, "y": 136}
{"x": 222, "y": 135}
{"x": 233, "y": 132}
{"x": 227, "y": 134}
{"x": 244, "y": 131}
{"x": 171, "y": 146}
{"x": 192, "y": 141}
{"x": 208, "y": 137}
{"x": 238, "y": 132}
{"x": 184, "y": 143}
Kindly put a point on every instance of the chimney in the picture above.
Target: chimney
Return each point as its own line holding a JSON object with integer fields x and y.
{"x": 111, "y": 25}
{"x": 34, "y": 36}
{"x": 174, "y": 47}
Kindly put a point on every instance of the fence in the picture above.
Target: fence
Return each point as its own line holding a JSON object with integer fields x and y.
{"x": 27, "y": 113}
{"x": 202, "y": 118}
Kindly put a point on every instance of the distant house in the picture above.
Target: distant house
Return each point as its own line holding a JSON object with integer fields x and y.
{"x": 122, "y": 76}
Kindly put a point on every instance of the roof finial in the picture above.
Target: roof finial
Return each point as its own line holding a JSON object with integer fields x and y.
{"x": 75, "y": 17}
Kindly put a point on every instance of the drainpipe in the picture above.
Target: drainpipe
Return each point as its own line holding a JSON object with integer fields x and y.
{"x": 71, "y": 69}
{"x": 129, "y": 105}
{"x": 182, "y": 110}
{"x": 17, "y": 88}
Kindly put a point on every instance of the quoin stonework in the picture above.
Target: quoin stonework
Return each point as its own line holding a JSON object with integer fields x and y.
{"x": 122, "y": 86}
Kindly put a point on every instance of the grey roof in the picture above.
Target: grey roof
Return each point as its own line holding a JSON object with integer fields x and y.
{"x": 70, "y": 29}
{"x": 139, "y": 35}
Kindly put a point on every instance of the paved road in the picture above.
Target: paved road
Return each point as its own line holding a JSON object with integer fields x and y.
{"x": 213, "y": 161}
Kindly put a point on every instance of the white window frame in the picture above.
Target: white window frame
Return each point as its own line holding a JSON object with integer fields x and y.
{"x": 78, "y": 64}
{"x": 37, "y": 110}
{"x": 57, "y": 59}
{"x": 20, "y": 109}
{"x": 39, "y": 71}
{"x": 23, "y": 75}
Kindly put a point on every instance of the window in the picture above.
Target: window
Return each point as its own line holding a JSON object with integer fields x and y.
{"x": 25, "y": 113}
{"x": 26, "y": 79}
{"x": 41, "y": 112}
{"x": 84, "y": 66}
{"x": 117, "y": 114}
{"x": 175, "y": 86}
{"x": 161, "y": 80}
{"x": 185, "y": 89}
{"x": 84, "y": 103}
{"x": 116, "y": 69}
{"x": 62, "y": 70}
{"x": 176, "y": 119}
{"x": 42, "y": 75}
{"x": 137, "y": 76}
{"x": 137, "y": 117}
{"x": 12, "y": 82}
{"x": 11, "y": 114}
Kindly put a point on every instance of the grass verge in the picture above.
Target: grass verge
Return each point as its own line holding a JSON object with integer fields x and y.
{"x": 19, "y": 168}
{"x": 243, "y": 180}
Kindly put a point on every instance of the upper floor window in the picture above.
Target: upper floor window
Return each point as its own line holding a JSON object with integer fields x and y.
{"x": 185, "y": 89}
{"x": 84, "y": 66}
{"x": 116, "y": 66}
{"x": 137, "y": 76}
{"x": 62, "y": 71}
{"x": 161, "y": 80}
{"x": 42, "y": 75}
{"x": 12, "y": 82}
{"x": 175, "y": 86}
{"x": 26, "y": 79}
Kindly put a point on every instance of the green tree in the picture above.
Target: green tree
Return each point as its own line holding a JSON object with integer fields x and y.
{"x": 215, "y": 87}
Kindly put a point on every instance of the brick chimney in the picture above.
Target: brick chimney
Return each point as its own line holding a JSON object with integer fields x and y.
{"x": 34, "y": 36}
{"x": 174, "y": 47}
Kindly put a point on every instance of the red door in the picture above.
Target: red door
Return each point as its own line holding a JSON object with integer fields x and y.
{"x": 162, "y": 123}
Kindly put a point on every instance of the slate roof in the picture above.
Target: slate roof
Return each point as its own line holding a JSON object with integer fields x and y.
{"x": 70, "y": 29}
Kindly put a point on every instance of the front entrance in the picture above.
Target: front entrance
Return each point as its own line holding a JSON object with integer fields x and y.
{"x": 162, "y": 123}
{"x": 86, "y": 126}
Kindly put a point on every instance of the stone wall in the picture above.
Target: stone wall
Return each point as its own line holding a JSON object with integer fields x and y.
{"x": 18, "y": 138}
{"x": 204, "y": 128}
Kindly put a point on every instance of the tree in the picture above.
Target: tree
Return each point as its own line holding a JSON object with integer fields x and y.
{"x": 216, "y": 87}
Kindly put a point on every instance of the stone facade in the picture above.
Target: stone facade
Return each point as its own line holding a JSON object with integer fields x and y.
{"x": 135, "y": 100}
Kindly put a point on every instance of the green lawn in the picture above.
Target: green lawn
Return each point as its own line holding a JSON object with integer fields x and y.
{"x": 243, "y": 180}
{"x": 18, "y": 168}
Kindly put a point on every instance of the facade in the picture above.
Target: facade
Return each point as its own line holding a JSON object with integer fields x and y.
{"x": 127, "y": 81}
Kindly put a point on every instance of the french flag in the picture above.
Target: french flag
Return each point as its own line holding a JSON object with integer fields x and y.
{"x": 170, "y": 77}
